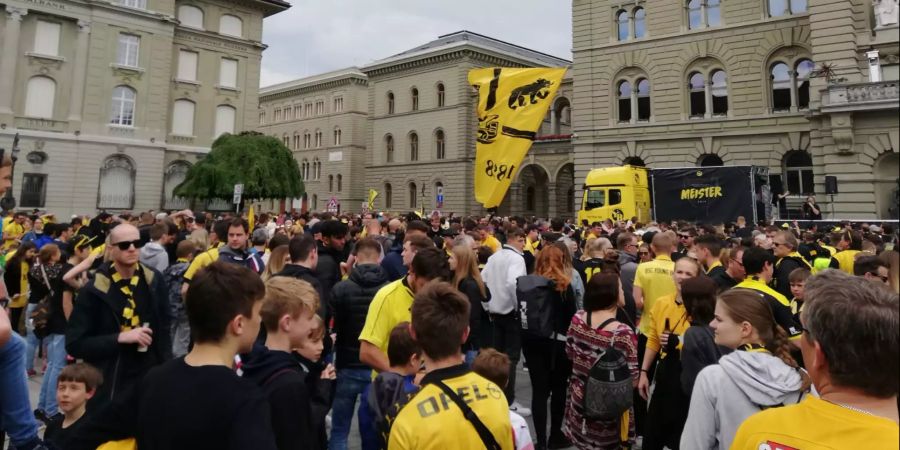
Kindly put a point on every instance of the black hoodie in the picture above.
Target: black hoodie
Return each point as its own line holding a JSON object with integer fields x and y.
{"x": 350, "y": 301}
{"x": 283, "y": 379}
{"x": 308, "y": 275}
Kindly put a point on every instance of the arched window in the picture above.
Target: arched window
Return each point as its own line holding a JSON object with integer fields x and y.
{"x": 439, "y": 144}
{"x": 318, "y": 138}
{"x": 413, "y": 195}
{"x": 697, "y": 87}
{"x": 622, "y": 25}
{"x": 640, "y": 23}
{"x": 798, "y": 171}
{"x": 413, "y": 147}
{"x": 703, "y": 13}
{"x": 190, "y": 16}
{"x": 414, "y": 94}
{"x": 330, "y": 183}
{"x": 529, "y": 198}
{"x": 388, "y": 196}
{"x": 225, "y": 117}
{"x": 390, "y": 102}
{"x": 315, "y": 202}
{"x": 122, "y": 111}
{"x": 634, "y": 161}
{"x": 176, "y": 173}
{"x": 719, "y": 92}
{"x": 803, "y": 71}
{"x": 296, "y": 143}
{"x": 231, "y": 25}
{"x": 337, "y": 136}
{"x": 116, "y": 184}
{"x": 389, "y": 148}
{"x": 304, "y": 169}
{"x": 710, "y": 160}
{"x": 781, "y": 87}
{"x": 40, "y": 97}
{"x": 784, "y": 7}
{"x": 307, "y": 139}
{"x": 183, "y": 118}
{"x": 441, "y": 95}
{"x": 340, "y": 182}
{"x": 643, "y": 100}
{"x": 624, "y": 96}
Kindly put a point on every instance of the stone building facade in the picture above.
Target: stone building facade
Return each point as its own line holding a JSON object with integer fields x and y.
{"x": 408, "y": 131}
{"x": 113, "y": 101}
{"x": 807, "y": 89}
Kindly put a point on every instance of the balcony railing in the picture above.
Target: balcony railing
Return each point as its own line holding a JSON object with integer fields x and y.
{"x": 861, "y": 96}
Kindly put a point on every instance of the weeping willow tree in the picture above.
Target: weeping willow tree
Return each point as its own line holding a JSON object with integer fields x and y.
{"x": 265, "y": 167}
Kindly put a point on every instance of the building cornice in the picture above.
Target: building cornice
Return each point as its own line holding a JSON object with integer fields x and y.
{"x": 209, "y": 37}
{"x": 276, "y": 92}
{"x": 112, "y": 6}
{"x": 487, "y": 57}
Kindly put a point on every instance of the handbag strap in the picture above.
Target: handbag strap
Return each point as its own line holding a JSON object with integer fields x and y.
{"x": 486, "y": 436}
{"x": 46, "y": 281}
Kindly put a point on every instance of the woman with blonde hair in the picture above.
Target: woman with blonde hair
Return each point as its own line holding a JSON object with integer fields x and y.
{"x": 548, "y": 366}
{"x": 467, "y": 279}
{"x": 277, "y": 260}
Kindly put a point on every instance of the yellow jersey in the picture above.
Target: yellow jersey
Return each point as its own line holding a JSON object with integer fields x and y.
{"x": 432, "y": 421}
{"x": 492, "y": 243}
{"x": 12, "y": 230}
{"x": 665, "y": 308}
{"x": 655, "y": 280}
{"x": 846, "y": 259}
{"x": 202, "y": 260}
{"x": 815, "y": 424}
{"x": 390, "y": 306}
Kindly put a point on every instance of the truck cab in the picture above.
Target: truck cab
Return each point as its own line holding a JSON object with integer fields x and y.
{"x": 615, "y": 193}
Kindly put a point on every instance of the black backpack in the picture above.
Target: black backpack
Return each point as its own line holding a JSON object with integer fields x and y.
{"x": 534, "y": 295}
{"x": 608, "y": 388}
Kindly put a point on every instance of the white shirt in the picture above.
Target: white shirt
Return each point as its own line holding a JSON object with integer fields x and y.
{"x": 500, "y": 274}
{"x": 521, "y": 433}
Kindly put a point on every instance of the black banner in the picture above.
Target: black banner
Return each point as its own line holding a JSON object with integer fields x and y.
{"x": 703, "y": 194}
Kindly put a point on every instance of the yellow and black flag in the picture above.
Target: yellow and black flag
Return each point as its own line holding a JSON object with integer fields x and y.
{"x": 512, "y": 104}
{"x": 373, "y": 194}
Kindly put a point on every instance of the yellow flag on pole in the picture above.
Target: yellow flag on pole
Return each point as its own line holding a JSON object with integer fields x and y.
{"x": 251, "y": 218}
{"x": 372, "y": 195}
{"x": 512, "y": 104}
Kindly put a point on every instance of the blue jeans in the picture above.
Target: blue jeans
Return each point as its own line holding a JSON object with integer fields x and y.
{"x": 350, "y": 384}
{"x": 33, "y": 341}
{"x": 15, "y": 408}
{"x": 56, "y": 360}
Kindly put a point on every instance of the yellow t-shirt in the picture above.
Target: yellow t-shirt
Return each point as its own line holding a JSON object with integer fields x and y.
{"x": 202, "y": 260}
{"x": 655, "y": 280}
{"x": 846, "y": 259}
{"x": 389, "y": 307}
{"x": 655, "y": 319}
{"x": 11, "y": 230}
{"x": 531, "y": 246}
{"x": 815, "y": 424}
{"x": 492, "y": 243}
{"x": 431, "y": 421}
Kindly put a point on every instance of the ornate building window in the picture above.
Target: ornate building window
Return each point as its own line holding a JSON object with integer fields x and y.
{"x": 708, "y": 94}
{"x": 640, "y": 23}
{"x": 414, "y": 95}
{"x": 624, "y": 96}
{"x": 779, "y": 8}
{"x": 413, "y": 147}
{"x": 790, "y": 88}
{"x": 440, "y": 145}
{"x": 798, "y": 171}
{"x": 340, "y": 182}
{"x": 40, "y": 97}
{"x": 116, "y": 184}
{"x": 337, "y": 136}
{"x": 388, "y": 196}
{"x": 128, "y": 50}
{"x": 330, "y": 183}
{"x": 413, "y": 195}
{"x": 231, "y": 25}
{"x": 390, "y": 102}
{"x": 225, "y": 119}
{"x": 318, "y": 138}
{"x": 710, "y": 160}
{"x": 175, "y": 174}
{"x": 623, "y": 25}
{"x": 633, "y": 98}
{"x": 389, "y": 148}
{"x": 122, "y": 111}
{"x": 183, "y": 117}
{"x": 190, "y": 16}
{"x": 703, "y": 14}
{"x": 441, "y": 95}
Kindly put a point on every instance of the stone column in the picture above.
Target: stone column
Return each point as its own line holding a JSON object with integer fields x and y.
{"x": 9, "y": 59}
{"x": 554, "y": 121}
{"x": 707, "y": 98}
{"x": 80, "y": 74}
{"x": 515, "y": 199}
{"x": 552, "y": 200}
{"x": 634, "y": 104}
{"x": 794, "y": 100}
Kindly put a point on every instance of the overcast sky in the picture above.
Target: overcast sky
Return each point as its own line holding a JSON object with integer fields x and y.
{"x": 317, "y": 36}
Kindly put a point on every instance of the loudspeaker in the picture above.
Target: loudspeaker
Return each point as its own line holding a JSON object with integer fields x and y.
{"x": 831, "y": 187}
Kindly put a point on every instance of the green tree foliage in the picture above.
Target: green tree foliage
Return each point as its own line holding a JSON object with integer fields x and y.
{"x": 265, "y": 167}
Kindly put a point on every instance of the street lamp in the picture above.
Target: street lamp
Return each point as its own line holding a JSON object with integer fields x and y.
{"x": 8, "y": 202}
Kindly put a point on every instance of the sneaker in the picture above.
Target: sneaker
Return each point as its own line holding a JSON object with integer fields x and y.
{"x": 517, "y": 408}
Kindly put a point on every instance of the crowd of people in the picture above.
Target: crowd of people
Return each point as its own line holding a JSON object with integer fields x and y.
{"x": 183, "y": 330}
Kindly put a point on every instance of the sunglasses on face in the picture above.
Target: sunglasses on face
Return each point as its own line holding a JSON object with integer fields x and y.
{"x": 125, "y": 245}
{"x": 643, "y": 253}
{"x": 684, "y": 236}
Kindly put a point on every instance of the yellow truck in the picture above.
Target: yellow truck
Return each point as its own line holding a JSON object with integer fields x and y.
{"x": 695, "y": 194}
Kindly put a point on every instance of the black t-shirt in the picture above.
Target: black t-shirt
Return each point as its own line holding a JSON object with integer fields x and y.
{"x": 57, "y": 321}
{"x": 57, "y": 435}
{"x": 185, "y": 407}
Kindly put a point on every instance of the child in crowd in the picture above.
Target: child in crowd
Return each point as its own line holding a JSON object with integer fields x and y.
{"x": 74, "y": 387}
{"x": 180, "y": 330}
{"x": 319, "y": 378}
{"x": 797, "y": 279}
{"x": 390, "y": 389}
{"x": 288, "y": 314}
{"x": 494, "y": 366}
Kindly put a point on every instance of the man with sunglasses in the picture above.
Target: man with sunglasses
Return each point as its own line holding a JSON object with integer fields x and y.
{"x": 872, "y": 269}
{"x": 686, "y": 237}
{"x": 120, "y": 322}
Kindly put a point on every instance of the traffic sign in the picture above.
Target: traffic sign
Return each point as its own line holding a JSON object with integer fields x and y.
{"x": 238, "y": 191}
{"x": 440, "y": 196}
{"x": 333, "y": 206}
